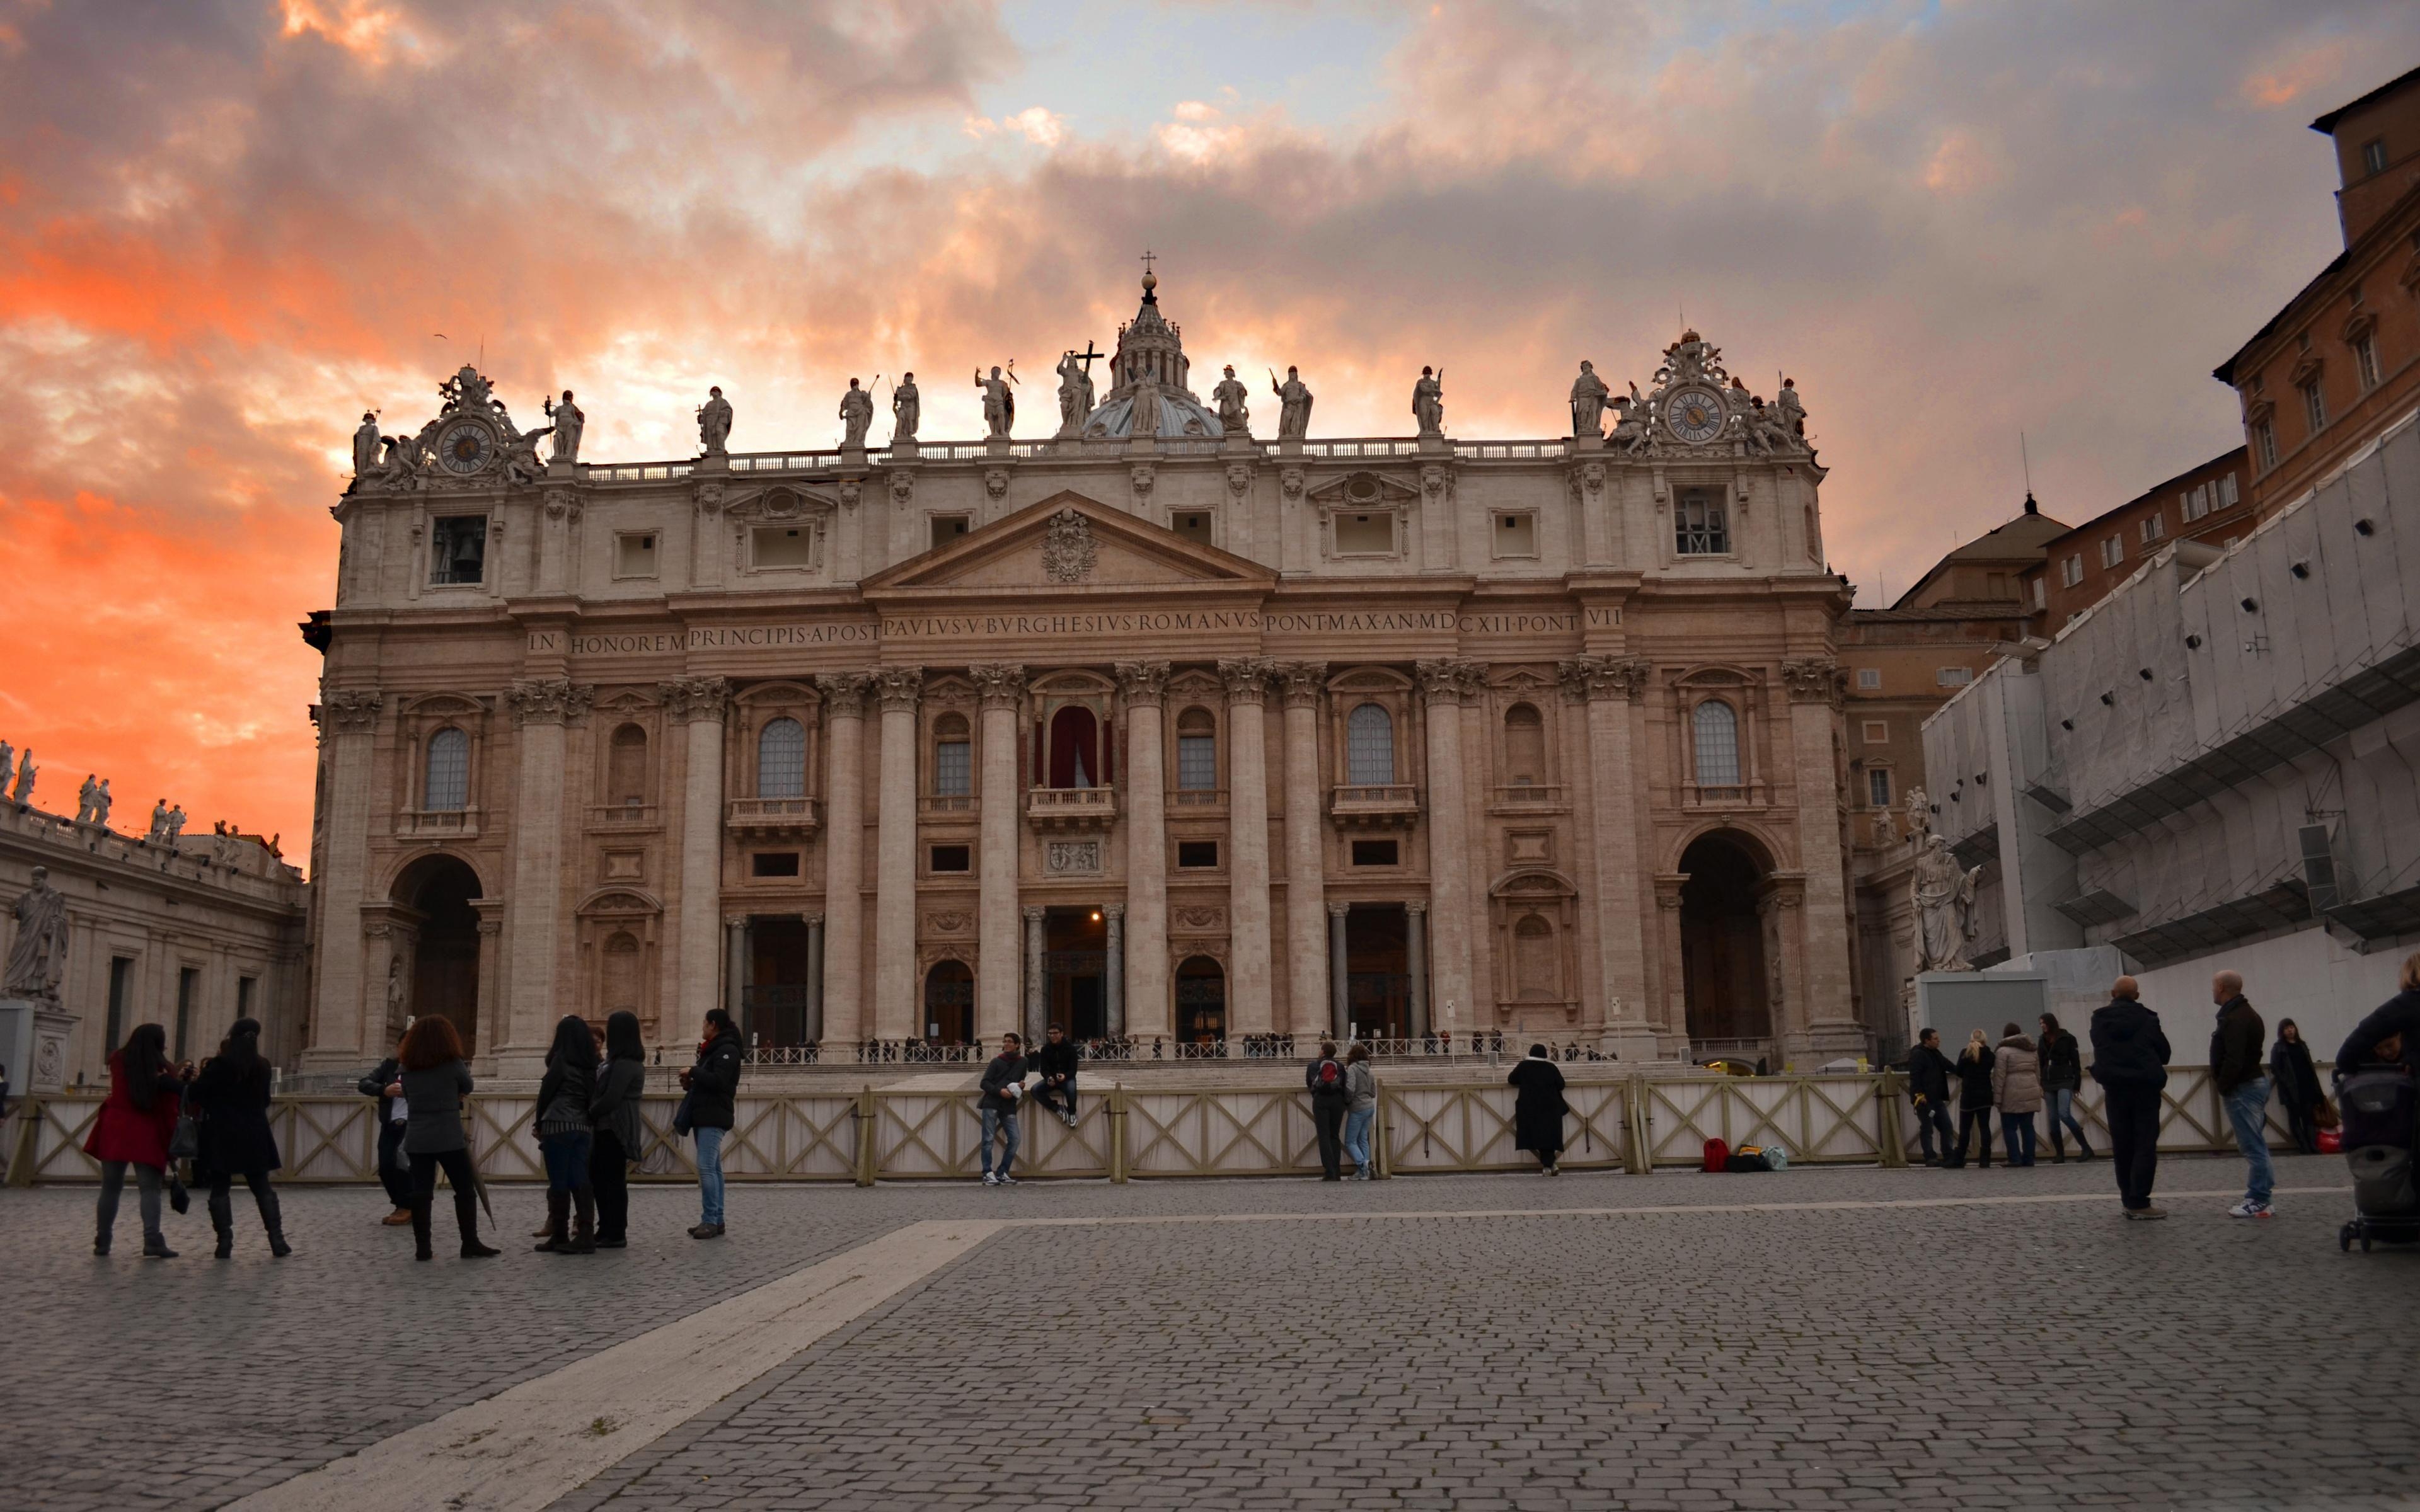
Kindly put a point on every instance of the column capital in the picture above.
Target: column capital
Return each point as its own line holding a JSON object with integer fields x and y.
{"x": 1299, "y": 682}
{"x": 1247, "y": 679}
{"x": 843, "y": 693}
{"x": 1448, "y": 682}
{"x": 1142, "y": 684}
{"x": 350, "y": 712}
{"x": 688, "y": 700}
{"x": 1415, "y": 906}
{"x": 549, "y": 699}
{"x": 1816, "y": 680}
{"x": 1113, "y": 912}
{"x": 1338, "y": 910}
{"x": 1033, "y": 912}
{"x": 813, "y": 920}
{"x": 898, "y": 686}
{"x": 1607, "y": 678}
{"x": 997, "y": 686}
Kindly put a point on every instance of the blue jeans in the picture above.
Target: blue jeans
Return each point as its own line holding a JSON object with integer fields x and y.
{"x": 567, "y": 1160}
{"x": 994, "y": 1125}
{"x": 2012, "y": 1125}
{"x": 710, "y": 1173}
{"x": 2247, "y": 1109}
{"x": 1357, "y": 1138}
{"x": 2062, "y": 1111}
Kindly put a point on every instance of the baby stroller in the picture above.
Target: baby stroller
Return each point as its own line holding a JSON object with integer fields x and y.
{"x": 2380, "y": 1109}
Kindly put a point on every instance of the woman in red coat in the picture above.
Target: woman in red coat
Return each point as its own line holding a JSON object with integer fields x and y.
{"x": 133, "y": 1129}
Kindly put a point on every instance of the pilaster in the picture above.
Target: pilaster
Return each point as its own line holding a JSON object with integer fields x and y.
{"x": 1001, "y": 690}
{"x": 1141, "y": 687}
{"x": 1603, "y": 689}
{"x": 348, "y": 726}
{"x": 1442, "y": 686}
{"x": 1306, "y": 932}
{"x": 699, "y": 704}
{"x": 1249, "y": 1007}
{"x": 1824, "y": 927}
{"x": 541, "y": 707}
{"x": 846, "y": 1020}
{"x": 896, "y": 1012}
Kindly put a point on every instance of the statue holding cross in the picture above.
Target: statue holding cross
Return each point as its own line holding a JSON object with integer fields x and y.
{"x": 1075, "y": 388}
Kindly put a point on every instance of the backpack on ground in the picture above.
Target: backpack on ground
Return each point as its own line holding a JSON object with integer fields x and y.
{"x": 1748, "y": 1158}
{"x": 1718, "y": 1155}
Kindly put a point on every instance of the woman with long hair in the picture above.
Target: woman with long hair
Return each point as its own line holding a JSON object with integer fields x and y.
{"x": 133, "y": 1129}
{"x": 620, "y": 1134}
{"x": 565, "y": 1138}
{"x": 1361, "y": 1108}
{"x": 434, "y": 1081}
{"x": 2298, "y": 1085}
{"x": 1975, "y": 1096}
{"x": 231, "y": 1094}
{"x": 2062, "y": 1077}
{"x": 2017, "y": 1093}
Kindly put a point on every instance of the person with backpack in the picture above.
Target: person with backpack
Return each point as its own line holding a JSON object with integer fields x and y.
{"x": 146, "y": 1094}
{"x": 1002, "y": 1085}
{"x": 2017, "y": 1093}
{"x": 2062, "y": 1077}
{"x": 231, "y": 1097}
{"x": 713, "y": 1088}
{"x": 1329, "y": 1096}
{"x": 2129, "y": 1061}
{"x": 2298, "y": 1085}
{"x": 1057, "y": 1061}
{"x": 619, "y": 1132}
{"x": 2242, "y": 1084}
{"x": 1928, "y": 1088}
{"x": 1973, "y": 1097}
{"x": 1538, "y": 1109}
{"x": 566, "y": 1139}
{"x": 395, "y": 1173}
{"x": 1360, "y": 1109}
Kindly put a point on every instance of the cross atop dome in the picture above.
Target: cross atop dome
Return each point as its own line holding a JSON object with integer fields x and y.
{"x": 1151, "y": 373}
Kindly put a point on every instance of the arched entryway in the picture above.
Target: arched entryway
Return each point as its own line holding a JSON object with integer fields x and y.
{"x": 1722, "y": 942}
{"x": 949, "y": 1003}
{"x": 445, "y": 954}
{"x": 1201, "y": 1001}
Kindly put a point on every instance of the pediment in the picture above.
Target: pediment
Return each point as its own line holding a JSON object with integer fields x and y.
{"x": 1365, "y": 490}
{"x": 781, "y": 502}
{"x": 1069, "y": 543}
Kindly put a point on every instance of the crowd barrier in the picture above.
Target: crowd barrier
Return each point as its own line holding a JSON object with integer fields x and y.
{"x": 1634, "y": 1122}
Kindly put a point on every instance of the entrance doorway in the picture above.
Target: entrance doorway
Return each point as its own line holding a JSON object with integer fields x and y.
{"x": 445, "y": 961}
{"x": 776, "y": 997}
{"x": 1075, "y": 962}
{"x": 948, "y": 1004}
{"x": 1201, "y": 1001}
{"x": 1722, "y": 943}
{"x": 1378, "y": 971}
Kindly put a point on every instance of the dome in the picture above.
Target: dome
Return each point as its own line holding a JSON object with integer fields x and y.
{"x": 1152, "y": 373}
{"x": 1179, "y": 414}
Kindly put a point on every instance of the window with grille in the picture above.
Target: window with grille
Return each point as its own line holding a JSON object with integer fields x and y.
{"x": 1878, "y": 789}
{"x": 447, "y": 783}
{"x": 1869, "y": 678}
{"x": 2314, "y": 407}
{"x": 2154, "y": 527}
{"x": 2227, "y": 495}
{"x": 2264, "y": 441}
{"x": 1698, "y": 528}
{"x": 2112, "y": 550}
{"x": 2194, "y": 502}
{"x": 2373, "y": 155}
{"x": 2364, "y": 359}
{"x": 2071, "y": 572}
{"x": 1717, "y": 726}
{"x": 1953, "y": 677}
{"x": 1369, "y": 747}
{"x": 954, "y": 768}
{"x": 1197, "y": 750}
{"x": 782, "y": 759}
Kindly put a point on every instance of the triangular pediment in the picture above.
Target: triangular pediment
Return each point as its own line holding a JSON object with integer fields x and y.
{"x": 1069, "y": 543}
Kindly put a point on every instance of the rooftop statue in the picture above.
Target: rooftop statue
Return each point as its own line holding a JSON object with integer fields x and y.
{"x": 365, "y": 446}
{"x": 714, "y": 423}
{"x": 1075, "y": 393}
{"x": 1630, "y": 421}
{"x": 568, "y": 423}
{"x": 907, "y": 409}
{"x": 999, "y": 405}
{"x": 1232, "y": 413}
{"x": 23, "y": 792}
{"x": 1428, "y": 402}
{"x": 855, "y": 416}
{"x": 1589, "y": 396}
{"x": 1293, "y": 400}
{"x": 38, "y": 959}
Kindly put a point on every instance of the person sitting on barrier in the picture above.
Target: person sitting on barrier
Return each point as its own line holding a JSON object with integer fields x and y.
{"x": 1928, "y": 1088}
{"x": 1057, "y": 1061}
{"x": 1003, "y": 1083}
{"x": 1361, "y": 1108}
{"x": 1973, "y": 1097}
{"x": 1538, "y": 1109}
{"x": 1325, "y": 1078}
{"x": 395, "y": 1173}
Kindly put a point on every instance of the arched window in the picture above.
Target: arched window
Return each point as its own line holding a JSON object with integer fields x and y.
{"x": 782, "y": 759}
{"x": 1075, "y": 750}
{"x": 1525, "y": 745}
{"x": 625, "y": 768}
{"x": 1717, "y": 726}
{"x": 1534, "y": 976}
{"x": 1197, "y": 750}
{"x": 1369, "y": 747}
{"x": 446, "y": 785}
{"x": 953, "y": 764}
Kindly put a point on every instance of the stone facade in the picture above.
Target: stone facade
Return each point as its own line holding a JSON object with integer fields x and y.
{"x": 1160, "y": 731}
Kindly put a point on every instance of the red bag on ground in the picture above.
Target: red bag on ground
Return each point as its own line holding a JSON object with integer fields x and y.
{"x": 2331, "y": 1141}
{"x": 1718, "y": 1155}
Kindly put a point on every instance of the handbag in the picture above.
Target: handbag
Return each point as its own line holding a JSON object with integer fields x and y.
{"x": 2324, "y": 1116}
{"x": 681, "y": 1115}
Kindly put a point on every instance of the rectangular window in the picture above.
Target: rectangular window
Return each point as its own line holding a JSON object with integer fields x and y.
{"x": 948, "y": 528}
{"x": 2315, "y": 407}
{"x": 634, "y": 556}
{"x": 2364, "y": 359}
{"x": 2154, "y": 527}
{"x": 1878, "y": 791}
{"x": 1516, "y": 536}
{"x": 1197, "y": 762}
{"x": 779, "y": 546}
{"x": 2264, "y": 444}
{"x": 243, "y": 995}
{"x": 1197, "y": 855}
{"x": 773, "y": 864}
{"x": 2227, "y": 495}
{"x": 122, "y": 981}
{"x": 189, "y": 980}
{"x": 1953, "y": 677}
{"x": 2112, "y": 550}
{"x": 1869, "y": 678}
{"x": 1192, "y": 524}
{"x": 1373, "y": 853}
{"x": 954, "y": 768}
{"x": 2071, "y": 572}
{"x": 457, "y": 549}
{"x": 1698, "y": 525}
{"x": 2041, "y": 592}
{"x": 953, "y": 858}
{"x": 1877, "y": 732}
{"x": 2194, "y": 502}
{"x": 1365, "y": 536}
{"x": 2373, "y": 155}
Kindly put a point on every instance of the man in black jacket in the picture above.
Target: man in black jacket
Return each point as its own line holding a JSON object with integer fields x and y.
{"x": 2129, "y": 1061}
{"x": 2242, "y": 1083}
{"x": 1928, "y": 1088}
{"x": 1057, "y": 1060}
{"x": 2392, "y": 1030}
{"x": 1325, "y": 1077}
{"x": 1003, "y": 1084}
{"x": 713, "y": 1086}
{"x": 393, "y": 1174}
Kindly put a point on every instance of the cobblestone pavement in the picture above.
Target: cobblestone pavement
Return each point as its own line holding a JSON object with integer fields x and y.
{"x": 2012, "y": 1355}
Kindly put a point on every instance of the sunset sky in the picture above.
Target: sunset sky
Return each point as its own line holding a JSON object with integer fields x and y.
{"x": 225, "y": 229}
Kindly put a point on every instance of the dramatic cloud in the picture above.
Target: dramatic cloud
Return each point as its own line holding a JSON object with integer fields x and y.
{"x": 225, "y": 229}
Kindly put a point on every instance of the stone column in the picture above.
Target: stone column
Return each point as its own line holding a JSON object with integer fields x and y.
{"x": 347, "y": 723}
{"x": 490, "y": 915}
{"x": 1338, "y": 1008}
{"x": 1817, "y": 687}
{"x": 1142, "y": 685}
{"x": 1450, "y": 862}
{"x": 1673, "y": 969}
{"x": 811, "y": 1027}
{"x": 1113, "y": 976}
{"x": 1306, "y": 929}
{"x": 735, "y": 975}
{"x": 1249, "y": 1008}
{"x": 534, "y": 917}
{"x": 844, "y": 957}
{"x": 1037, "y": 976}
{"x": 699, "y": 703}
{"x": 1603, "y": 689}
{"x": 1416, "y": 957}
{"x": 895, "y": 1008}
{"x": 1003, "y": 689}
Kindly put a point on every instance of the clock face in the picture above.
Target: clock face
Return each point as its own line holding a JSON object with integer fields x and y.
{"x": 465, "y": 447}
{"x": 1695, "y": 415}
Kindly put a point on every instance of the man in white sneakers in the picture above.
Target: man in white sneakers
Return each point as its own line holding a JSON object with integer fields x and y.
{"x": 2236, "y": 1041}
{"x": 1003, "y": 1084}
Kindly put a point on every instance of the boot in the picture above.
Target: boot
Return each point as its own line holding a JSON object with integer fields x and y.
{"x": 2058, "y": 1146}
{"x": 420, "y": 1250}
{"x": 272, "y": 1218}
{"x": 583, "y": 1231}
{"x": 2083, "y": 1150}
{"x": 223, "y": 1222}
{"x": 558, "y": 1213}
{"x": 466, "y": 1217}
{"x": 155, "y": 1247}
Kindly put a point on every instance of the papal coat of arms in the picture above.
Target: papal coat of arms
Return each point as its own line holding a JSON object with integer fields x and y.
{"x": 1069, "y": 552}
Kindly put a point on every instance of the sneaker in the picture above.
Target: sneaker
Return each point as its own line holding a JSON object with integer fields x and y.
{"x": 989, "y": 1180}
{"x": 2249, "y": 1209}
{"x": 706, "y": 1231}
{"x": 1006, "y": 1179}
{"x": 2146, "y": 1215}
{"x": 1071, "y": 1120}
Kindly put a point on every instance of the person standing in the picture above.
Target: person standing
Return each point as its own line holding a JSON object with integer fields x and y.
{"x": 1325, "y": 1078}
{"x": 1003, "y": 1083}
{"x": 1928, "y": 1088}
{"x": 619, "y": 1132}
{"x": 434, "y": 1080}
{"x": 1360, "y": 1109}
{"x": 1973, "y": 1097}
{"x": 2129, "y": 1061}
{"x": 2242, "y": 1083}
{"x": 1538, "y": 1109}
{"x": 2062, "y": 1077}
{"x": 231, "y": 1096}
{"x": 566, "y": 1139}
{"x": 713, "y": 1085}
{"x": 1057, "y": 1061}
{"x": 2017, "y": 1093}
{"x": 393, "y": 1173}
{"x": 2298, "y": 1085}
{"x": 133, "y": 1129}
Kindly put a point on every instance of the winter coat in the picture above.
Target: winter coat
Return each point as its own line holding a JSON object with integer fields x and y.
{"x": 714, "y": 1083}
{"x": 1325, "y": 1091}
{"x": 2235, "y": 1045}
{"x": 1058, "y": 1060}
{"x": 2298, "y": 1080}
{"x": 1004, "y": 1070}
{"x": 2062, "y": 1062}
{"x": 2016, "y": 1076}
{"x": 2399, "y": 1014}
{"x": 233, "y": 1110}
{"x": 2128, "y": 1049}
{"x": 435, "y": 1096}
{"x": 375, "y": 1085}
{"x": 562, "y": 1097}
{"x": 1928, "y": 1075}
{"x": 139, "y": 1135}
{"x": 1538, "y": 1105}
{"x": 614, "y": 1108}
{"x": 1975, "y": 1079}
{"x": 1360, "y": 1087}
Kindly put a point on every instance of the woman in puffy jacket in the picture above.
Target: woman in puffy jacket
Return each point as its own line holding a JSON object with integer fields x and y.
{"x": 2017, "y": 1093}
{"x": 231, "y": 1095}
{"x": 133, "y": 1129}
{"x": 566, "y": 1138}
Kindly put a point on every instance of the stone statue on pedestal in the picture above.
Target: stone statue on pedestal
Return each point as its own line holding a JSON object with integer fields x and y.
{"x": 1232, "y": 413}
{"x": 1944, "y": 906}
{"x": 86, "y": 796}
{"x": 365, "y": 446}
{"x": 907, "y": 409}
{"x": 1589, "y": 396}
{"x": 1793, "y": 410}
{"x": 569, "y": 421}
{"x": 999, "y": 405}
{"x": 714, "y": 423}
{"x": 22, "y": 793}
{"x": 1293, "y": 400}
{"x": 1629, "y": 422}
{"x": 159, "y": 821}
{"x": 855, "y": 416}
{"x": 176, "y": 823}
{"x": 1075, "y": 394}
{"x": 38, "y": 957}
{"x": 101, "y": 801}
{"x": 1428, "y": 402}
{"x": 8, "y": 763}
